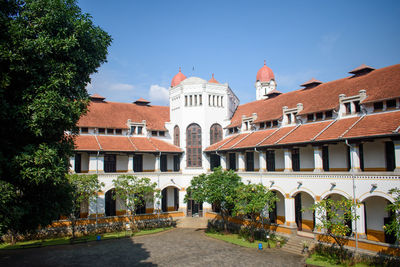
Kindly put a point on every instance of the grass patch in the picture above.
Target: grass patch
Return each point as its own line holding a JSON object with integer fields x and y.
{"x": 320, "y": 260}
{"x": 237, "y": 240}
{"x": 66, "y": 240}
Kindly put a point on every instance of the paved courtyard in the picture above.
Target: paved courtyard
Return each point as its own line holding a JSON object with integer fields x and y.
{"x": 177, "y": 247}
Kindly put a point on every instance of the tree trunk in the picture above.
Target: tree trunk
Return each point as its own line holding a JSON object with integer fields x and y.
{"x": 224, "y": 218}
{"x": 13, "y": 237}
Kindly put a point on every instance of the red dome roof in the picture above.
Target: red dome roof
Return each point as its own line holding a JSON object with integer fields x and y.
{"x": 265, "y": 74}
{"x": 178, "y": 78}
{"x": 213, "y": 80}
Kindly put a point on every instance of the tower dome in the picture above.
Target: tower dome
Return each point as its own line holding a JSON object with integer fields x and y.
{"x": 178, "y": 78}
{"x": 265, "y": 74}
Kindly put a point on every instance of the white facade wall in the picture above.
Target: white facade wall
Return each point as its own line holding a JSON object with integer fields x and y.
{"x": 374, "y": 156}
{"x": 375, "y": 212}
{"x": 306, "y": 202}
{"x": 306, "y": 158}
{"x": 149, "y": 162}
{"x": 279, "y": 160}
{"x": 337, "y": 157}
{"x": 122, "y": 162}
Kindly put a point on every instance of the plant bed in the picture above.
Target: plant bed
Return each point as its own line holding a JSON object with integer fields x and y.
{"x": 323, "y": 255}
{"x": 240, "y": 241}
{"x": 83, "y": 239}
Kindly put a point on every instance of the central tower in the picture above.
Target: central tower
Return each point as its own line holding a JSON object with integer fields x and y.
{"x": 265, "y": 82}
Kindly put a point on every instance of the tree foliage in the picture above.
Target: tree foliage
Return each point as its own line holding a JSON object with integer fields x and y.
{"x": 48, "y": 49}
{"x": 134, "y": 192}
{"x": 218, "y": 187}
{"x": 394, "y": 226}
{"x": 84, "y": 189}
{"x": 333, "y": 215}
{"x": 251, "y": 200}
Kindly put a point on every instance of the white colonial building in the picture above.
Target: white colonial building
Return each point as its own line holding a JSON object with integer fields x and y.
{"x": 326, "y": 140}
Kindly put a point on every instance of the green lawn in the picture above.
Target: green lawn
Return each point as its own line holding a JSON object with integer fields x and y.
{"x": 320, "y": 260}
{"x": 237, "y": 240}
{"x": 66, "y": 240}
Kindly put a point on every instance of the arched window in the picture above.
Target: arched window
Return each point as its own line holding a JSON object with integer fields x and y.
{"x": 193, "y": 145}
{"x": 176, "y": 136}
{"x": 215, "y": 133}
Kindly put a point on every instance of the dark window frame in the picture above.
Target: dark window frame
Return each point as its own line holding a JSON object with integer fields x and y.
{"x": 215, "y": 133}
{"x": 193, "y": 146}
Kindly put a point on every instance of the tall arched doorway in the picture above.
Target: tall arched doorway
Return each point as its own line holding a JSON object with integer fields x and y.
{"x": 338, "y": 197}
{"x": 170, "y": 199}
{"x": 375, "y": 217}
{"x": 305, "y": 218}
{"x": 110, "y": 203}
{"x": 277, "y": 215}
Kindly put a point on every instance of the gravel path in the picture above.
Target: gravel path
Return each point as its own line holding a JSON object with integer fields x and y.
{"x": 177, "y": 247}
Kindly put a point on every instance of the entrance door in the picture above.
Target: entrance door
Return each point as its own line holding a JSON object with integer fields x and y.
{"x": 164, "y": 200}
{"x": 78, "y": 160}
{"x": 297, "y": 206}
{"x": 194, "y": 209}
{"x": 110, "y": 208}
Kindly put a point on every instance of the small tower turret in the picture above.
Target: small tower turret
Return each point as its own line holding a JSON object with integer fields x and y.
{"x": 265, "y": 82}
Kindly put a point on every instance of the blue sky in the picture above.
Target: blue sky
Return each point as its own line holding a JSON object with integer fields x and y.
{"x": 298, "y": 39}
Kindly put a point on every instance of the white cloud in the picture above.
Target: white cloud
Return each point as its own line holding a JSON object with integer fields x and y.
{"x": 121, "y": 87}
{"x": 158, "y": 94}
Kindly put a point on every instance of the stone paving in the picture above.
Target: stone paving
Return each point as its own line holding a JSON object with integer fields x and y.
{"x": 177, "y": 247}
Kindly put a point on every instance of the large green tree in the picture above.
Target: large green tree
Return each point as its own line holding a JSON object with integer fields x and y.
{"x": 218, "y": 188}
{"x": 48, "y": 49}
{"x": 251, "y": 200}
{"x": 333, "y": 217}
{"x": 394, "y": 226}
{"x": 134, "y": 192}
{"x": 84, "y": 190}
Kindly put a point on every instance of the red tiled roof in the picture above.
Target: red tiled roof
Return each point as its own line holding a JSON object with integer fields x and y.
{"x": 142, "y": 100}
{"x": 115, "y": 115}
{"x": 360, "y": 68}
{"x": 86, "y": 142}
{"x": 372, "y": 125}
{"x": 379, "y": 84}
{"x": 310, "y": 82}
{"x": 305, "y": 133}
{"x": 218, "y": 144}
{"x": 375, "y": 124}
{"x": 123, "y": 144}
{"x": 338, "y": 128}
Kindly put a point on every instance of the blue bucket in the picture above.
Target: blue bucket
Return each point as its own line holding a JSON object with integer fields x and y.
{"x": 98, "y": 238}
{"x": 260, "y": 246}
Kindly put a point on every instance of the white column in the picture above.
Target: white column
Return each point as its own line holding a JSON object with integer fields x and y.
{"x": 206, "y": 162}
{"x": 242, "y": 167}
{"x": 72, "y": 164}
{"x": 397, "y": 155}
{"x": 360, "y": 221}
{"x": 318, "y": 219}
{"x": 290, "y": 216}
{"x": 262, "y": 155}
{"x": 288, "y": 159}
{"x": 98, "y": 206}
{"x": 96, "y": 163}
{"x": 318, "y": 165}
{"x": 182, "y": 204}
{"x": 157, "y": 163}
{"x": 352, "y": 107}
{"x": 130, "y": 163}
{"x": 223, "y": 161}
{"x": 355, "y": 157}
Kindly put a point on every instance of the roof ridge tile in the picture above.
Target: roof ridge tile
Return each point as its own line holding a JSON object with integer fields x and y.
{"x": 267, "y": 137}
{"x": 323, "y": 130}
{"x": 156, "y": 147}
{"x": 244, "y": 137}
{"x": 98, "y": 142}
{"x": 354, "y": 124}
{"x": 283, "y": 137}
{"x": 134, "y": 146}
{"x": 227, "y": 141}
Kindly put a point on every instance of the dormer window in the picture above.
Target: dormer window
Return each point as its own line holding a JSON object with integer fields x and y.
{"x": 310, "y": 117}
{"x": 133, "y": 129}
{"x": 348, "y": 107}
{"x": 110, "y": 131}
{"x": 274, "y": 123}
{"x": 118, "y": 131}
{"x": 328, "y": 114}
{"x": 319, "y": 116}
{"x": 390, "y": 104}
{"x": 139, "y": 129}
{"x": 161, "y": 133}
{"x": 84, "y": 130}
{"x": 378, "y": 106}
{"x": 262, "y": 125}
{"x": 154, "y": 133}
{"x": 102, "y": 130}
